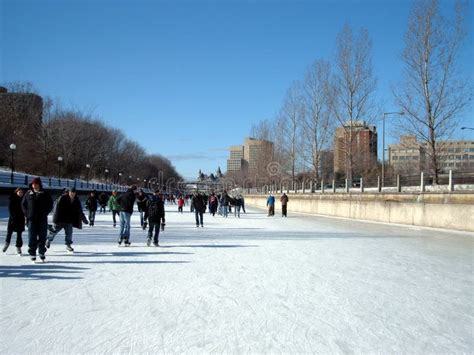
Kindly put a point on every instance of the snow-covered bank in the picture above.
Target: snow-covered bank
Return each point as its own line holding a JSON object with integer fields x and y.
{"x": 256, "y": 284}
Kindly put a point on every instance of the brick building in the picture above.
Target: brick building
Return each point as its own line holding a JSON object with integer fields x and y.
{"x": 363, "y": 140}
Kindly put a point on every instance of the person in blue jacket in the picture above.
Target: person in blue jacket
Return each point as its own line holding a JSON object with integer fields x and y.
{"x": 271, "y": 205}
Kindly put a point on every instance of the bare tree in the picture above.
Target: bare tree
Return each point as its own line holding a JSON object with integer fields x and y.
{"x": 433, "y": 92}
{"x": 317, "y": 126}
{"x": 354, "y": 85}
{"x": 290, "y": 125}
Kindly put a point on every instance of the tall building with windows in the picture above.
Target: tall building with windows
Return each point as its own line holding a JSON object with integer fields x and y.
{"x": 250, "y": 156}
{"x": 363, "y": 141}
{"x": 412, "y": 157}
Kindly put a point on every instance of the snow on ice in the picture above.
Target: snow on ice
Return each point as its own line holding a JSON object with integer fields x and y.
{"x": 257, "y": 284}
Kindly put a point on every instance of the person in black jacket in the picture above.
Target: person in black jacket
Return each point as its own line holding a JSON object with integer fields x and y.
{"x": 67, "y": 214}
{"x": 91, "y": 205}
{"x": 199, "y": 208}
{"x": 16, "y": 222}
{"x": 126, "y": 202}
{"x": 155, "y": 213}
{"x": 142, "y": 201}
{"x": 36, "y": 205}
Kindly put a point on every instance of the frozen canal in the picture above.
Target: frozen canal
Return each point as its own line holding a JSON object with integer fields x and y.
{"x": 251, "y": 285}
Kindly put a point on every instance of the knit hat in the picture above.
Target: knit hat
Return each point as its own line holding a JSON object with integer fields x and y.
{"x": 36, "y": 180}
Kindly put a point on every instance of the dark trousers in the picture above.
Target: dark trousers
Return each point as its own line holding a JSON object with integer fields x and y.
{"x": 154, "y": 227}
{"x": 37, "y": 232}
{"x": 91, "y": 217}
{"x": 19, "y": 239}
{"x": 115, "y": 213}
{"x": 283, "y": 210}
{"x": 198, "y": 217}
{"x": 180, "y": 209}
{"x": 271, "y": 210}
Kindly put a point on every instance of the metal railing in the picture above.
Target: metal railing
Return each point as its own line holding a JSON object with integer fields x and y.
{"x": 448, "y": 182}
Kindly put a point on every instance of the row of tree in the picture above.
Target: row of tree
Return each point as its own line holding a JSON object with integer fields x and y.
{"x": 85, "y": 146}
{"x": 432, "y": 94}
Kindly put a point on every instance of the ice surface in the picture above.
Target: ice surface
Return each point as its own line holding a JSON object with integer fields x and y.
{"x": 256, "y": 284}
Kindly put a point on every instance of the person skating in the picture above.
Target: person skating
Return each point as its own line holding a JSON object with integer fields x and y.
{"x": 224, "y": 203}
{"x": 237, "y": 205}
{"x": 36, "y": 205}
{"x": 155, "y": 214}
{"x": 114, "y": 206}
{"x": 91, "y": 205}
{"x": 242, "y": 202}
{"x": 103, "y": 199}
{"x": 284, "y": 203}
{"x": 142, "y": 201}
{"x": 271, "y": 205}
{"x": 67, "y": 214}
{"x": 180, "y": 204}
{"x": 16, "y": 221}
{"x": 126, "y": 202}
{"x": 213, "y": 203}
{"x": 199, "y": 208}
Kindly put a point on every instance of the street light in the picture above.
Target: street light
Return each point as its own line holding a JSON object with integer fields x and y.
{"x": 118, "y": 181}
{"x": 88, "y": 166}
{"x": 60, "y": 160}
{"x": 471, "y": 128}
{"x": 383, "y": 142}
{"x": 106, "y": 171}
{"x": 12, "y": 148}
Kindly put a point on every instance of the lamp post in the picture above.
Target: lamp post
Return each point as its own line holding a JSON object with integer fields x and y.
{"x": 12, "y": 148}
{"x": 383, "y": 142}
{"x": 88, "y": 167}
{"x": 60, "y": 160}
{"x": 106, "y": 171}
{"x": 118, "y": 181}
{"x": 144, "y": 183}
{"x": 471, "y": 128}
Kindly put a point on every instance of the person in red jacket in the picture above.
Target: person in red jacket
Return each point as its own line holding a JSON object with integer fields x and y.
{"x": 180, "y": 203}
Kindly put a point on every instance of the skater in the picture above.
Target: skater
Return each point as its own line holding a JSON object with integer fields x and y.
{"x": 237, "y": 205}
{"x": 284, "y": 203}
{"x": 126, "y": 202}
{"x": 16, "y": 222}
{"x": 271, "y": 205}
{"x": 199, "y": 208}
{"x": 36, "y": 205}
{"x": 114, "y": 206}
{"x": 102, "y": 202}
{"x": 213, "y": 203}
{"x": 91, "y": 205}
{"x": 155, "y": 214}
{"x": 242, "y": 203}
{"x": 67, "y": 214}
{"x": 180, "y": 204}
{"x": 142, "y": 200}
{"x": 224, "y": 203}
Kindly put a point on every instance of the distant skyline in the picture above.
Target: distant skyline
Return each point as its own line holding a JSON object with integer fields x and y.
{"x": 187, "y": 79}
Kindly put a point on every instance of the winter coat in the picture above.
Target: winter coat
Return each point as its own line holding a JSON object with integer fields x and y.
{"x": 142, "y": 201}
{"x": 103, "y": 199}
{"x": 113, "y": 204}
{"x": 155, "y": 209}
{"x": 225, "y": 200}
{"x": 91, "y": 203}
{"x": 198, "y": 203}
{"x": 213, "y": 200}
{"x": 37, "y": 205}
{"x": 180, "y": 202}
{"x": 16, "y": 222}
{"x": 126, "y": 201}
{"x": 284, "y": 200}
{"x": 68, "y": 211}
{"x": 271, "y": 201}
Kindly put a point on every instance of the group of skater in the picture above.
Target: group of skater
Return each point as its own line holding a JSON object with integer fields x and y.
{"x": 32, "y": 207}
{"x": 271, "y": 205}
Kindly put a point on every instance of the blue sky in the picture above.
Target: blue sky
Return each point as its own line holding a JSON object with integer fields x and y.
{"x": 187, "y": 79}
